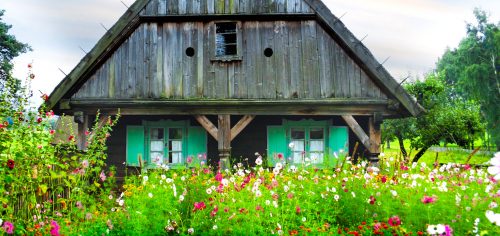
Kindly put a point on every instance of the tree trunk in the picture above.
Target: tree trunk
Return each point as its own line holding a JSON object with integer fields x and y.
{"x": 402, "y": 146}
{"x": 388, "y": 144}
{"x": 420, "y": 153}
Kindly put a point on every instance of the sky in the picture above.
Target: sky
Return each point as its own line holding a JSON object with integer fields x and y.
{"x": 409, "y": 34}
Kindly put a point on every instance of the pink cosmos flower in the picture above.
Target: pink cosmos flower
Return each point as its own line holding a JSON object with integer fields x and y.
{"x": 8, "y": 227}
{"x": 54, "y": 228}
{"x": 394, "y": 221}
{"x": 189, "y": 160}
{"x": 102, "y": 176}
{"x": 429, "y": 199}
{"x": 199, "y": 206}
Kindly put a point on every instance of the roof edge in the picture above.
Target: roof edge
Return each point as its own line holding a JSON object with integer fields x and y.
{"x": 126, "y": 21}
{"x": 370, "y": 64}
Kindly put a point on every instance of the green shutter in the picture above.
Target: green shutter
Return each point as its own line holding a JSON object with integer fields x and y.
{"x": 276, "y": 143}
{"x": 135, "y": 145}
{"x": 196, "y": 143}
{"x": 338, "y": 139}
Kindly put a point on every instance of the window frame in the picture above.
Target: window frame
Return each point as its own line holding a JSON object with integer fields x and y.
{"x": 307, "y": 142}
{"x": 166, "y": 126}
{"x": 239, "y": 42}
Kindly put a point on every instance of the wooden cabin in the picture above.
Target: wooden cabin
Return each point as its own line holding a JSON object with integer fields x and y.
{"x": 228, "y": 78}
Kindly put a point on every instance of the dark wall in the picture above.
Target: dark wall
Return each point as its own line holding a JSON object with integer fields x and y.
{"x": 251, "y": 140}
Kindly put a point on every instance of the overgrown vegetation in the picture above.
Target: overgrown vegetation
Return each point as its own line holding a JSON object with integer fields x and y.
{"x": 461, "y": 96}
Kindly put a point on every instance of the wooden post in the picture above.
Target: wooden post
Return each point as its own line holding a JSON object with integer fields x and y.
{"x": 375, "y": 139}
{"x": 224, "y": 140}
{"x": 83, "y": 126}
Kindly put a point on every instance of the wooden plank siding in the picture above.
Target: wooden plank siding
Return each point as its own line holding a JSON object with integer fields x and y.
{"x": 200, "y": 7}
{"x": 152, "y": 63}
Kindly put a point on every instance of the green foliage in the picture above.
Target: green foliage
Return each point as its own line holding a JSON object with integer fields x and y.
{"x": 42, "y": 184}
{"x": 472, "y": 70}
{"x": 9, "y": 49}
{"x": 446, "y": 119}
{"x": 291, "y": 200}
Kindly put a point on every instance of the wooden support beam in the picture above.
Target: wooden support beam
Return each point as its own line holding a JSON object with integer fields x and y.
{"x": 358, "y": 131}
{"x": 224, "y": 140}
{"x": 242, "y": 124}
{"x": 375, "y": 138}
{"x": 83, "y": 127}
{"x": 375, "y": 135}
{"x": 208, "y": 125}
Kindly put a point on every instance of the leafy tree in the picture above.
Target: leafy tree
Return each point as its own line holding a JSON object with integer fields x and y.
{"x": 9, "y": 49}
{"x": 472, "y": 70}
{"x": 447, "y": 119}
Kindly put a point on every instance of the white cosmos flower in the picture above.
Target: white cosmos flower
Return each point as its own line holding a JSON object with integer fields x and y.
{"x": 181, "y": 198}
{"x": 121, "y": 202}
{"x": 493, "y": 217}
{"x": 258, "y": 161}
{"x": 150, "y": 195}
{"x": 336, "y": 197}
{"x": 209, "y": 191}
{"x": 224, "y": 182}
{"x": 291, "y": 145}
{"x": 494, "y": 169}
{"x": 214, "y": 227}
{"x": 394, "y": 193}
{"x": 279, "y": 166}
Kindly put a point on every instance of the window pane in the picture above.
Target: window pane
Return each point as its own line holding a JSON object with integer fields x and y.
{"x": 225, "y": 39}
{"x": 156, "y": 133}
{"x": 297, "y": 133}
{"x": 297, "y": 157}
{"x": 157, "y": 146}
{"x": 317, "y": 145}
{"x": 156, "y": 157}
{"x": 316, "y": 157}
{"x": 175, "y": 146}
{"x": 175, "y": 157}
{"x": 175, "y": 133}
{"x": 298, "y": 146}
{"x": 316, "y": 133}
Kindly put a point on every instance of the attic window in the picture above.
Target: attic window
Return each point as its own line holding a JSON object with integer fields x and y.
{"x": 226, "y": 41}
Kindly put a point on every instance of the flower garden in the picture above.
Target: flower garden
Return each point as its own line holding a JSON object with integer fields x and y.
{"x": 54, "y": 189}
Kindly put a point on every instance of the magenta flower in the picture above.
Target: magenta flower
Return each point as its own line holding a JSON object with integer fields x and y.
{"x": 218, "y": 177}
{"x": 199, "y": 206}
{"x": 394, "y": 221}
{"x": 189, "y": 160}
{"x": 8, "y": 227}
{"x": 54, "y": 228}
{"x": 429, "y": 199}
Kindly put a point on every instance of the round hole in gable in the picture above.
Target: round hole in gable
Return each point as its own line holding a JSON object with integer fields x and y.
{"x": 190, "y": 52}
{"x": 268, "y": 52}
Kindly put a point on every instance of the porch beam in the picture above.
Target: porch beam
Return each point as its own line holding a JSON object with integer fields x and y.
{"x": 224, "y": 140}
{"x": 83, "y": 125}
{"x": 241, "y": 125}
{"x": 375, "y": 138}
{"x": 358, "y": 131}
{"x": 208, "y": 125}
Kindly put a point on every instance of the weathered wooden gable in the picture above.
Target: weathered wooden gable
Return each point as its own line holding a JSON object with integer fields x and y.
{"x": 306, "y": 63}
{"x": 203, "y": 7}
